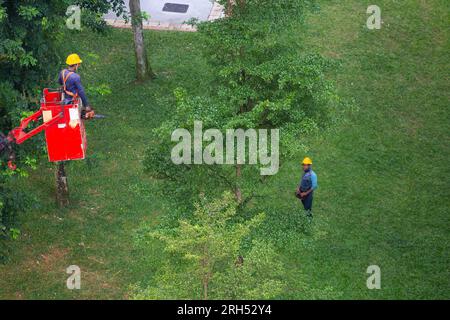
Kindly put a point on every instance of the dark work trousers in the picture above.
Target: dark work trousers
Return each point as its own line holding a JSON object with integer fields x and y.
{"x": 307, "y": 202}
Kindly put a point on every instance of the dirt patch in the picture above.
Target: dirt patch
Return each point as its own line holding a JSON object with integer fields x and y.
{"x": 52, "y": 259}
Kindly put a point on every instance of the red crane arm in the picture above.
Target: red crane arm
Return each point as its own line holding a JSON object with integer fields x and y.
{"x": 19, "y": 135}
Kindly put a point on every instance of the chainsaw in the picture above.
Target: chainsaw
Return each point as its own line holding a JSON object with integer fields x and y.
{"x": 96, "y": 116}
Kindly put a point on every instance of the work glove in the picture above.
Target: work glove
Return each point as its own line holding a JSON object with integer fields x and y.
{"x": 89, "y": 113}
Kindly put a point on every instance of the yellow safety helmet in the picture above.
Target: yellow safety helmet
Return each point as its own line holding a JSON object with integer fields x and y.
{"x": 307, "y": 161}
{"x": 73, "y": 59}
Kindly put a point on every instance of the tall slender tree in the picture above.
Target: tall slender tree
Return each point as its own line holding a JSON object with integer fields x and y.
{"x": 143, "y": 69}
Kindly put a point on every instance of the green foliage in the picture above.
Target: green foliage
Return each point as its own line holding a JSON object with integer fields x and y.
{"x": 259, "y": 277}
{"x": 93, "y": 12}
{"x": 28, "y": 33}
{"x": 28, "y": 12}
{"x": 207, "y": 260}
{"x": 265, "y": 79}
{"x": 15, "y": 233}
{"x": 27, "y": 38}
{"x": 12, "y": 202}
{"x": 101, "y": 90}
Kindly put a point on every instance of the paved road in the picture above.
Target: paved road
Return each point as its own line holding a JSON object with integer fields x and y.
{"x": 199, "y": 9}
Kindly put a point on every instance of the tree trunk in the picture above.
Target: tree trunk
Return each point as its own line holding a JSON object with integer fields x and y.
{"x": 62, "y": 187}
{"x": 143, "y": 70}
{"x": 229, "y": 8}
{"x": 230, "y": 4}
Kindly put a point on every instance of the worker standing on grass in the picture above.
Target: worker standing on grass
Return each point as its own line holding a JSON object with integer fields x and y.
{"x": 72, "y": 87}
{"x": 308, "y": 184}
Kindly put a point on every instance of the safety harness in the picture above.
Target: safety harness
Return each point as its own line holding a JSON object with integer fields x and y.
{"x": 65, "y": 76}
{"x": 306, "y": 182}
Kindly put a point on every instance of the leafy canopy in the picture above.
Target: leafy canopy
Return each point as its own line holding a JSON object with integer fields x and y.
{"x": 206, "y": 259}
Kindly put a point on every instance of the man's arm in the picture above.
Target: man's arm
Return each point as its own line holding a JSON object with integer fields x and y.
{"x": 314, "y": 181}
{"x": 81, "y": 93}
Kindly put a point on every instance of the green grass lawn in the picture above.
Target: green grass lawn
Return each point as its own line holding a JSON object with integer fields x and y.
{"x": 383, "y": 196}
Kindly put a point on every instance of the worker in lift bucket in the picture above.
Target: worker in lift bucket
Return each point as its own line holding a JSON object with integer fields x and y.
{"x": 72, "y": 87}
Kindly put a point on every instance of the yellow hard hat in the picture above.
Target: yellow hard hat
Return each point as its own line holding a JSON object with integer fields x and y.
{"x": 307, "y": 161}
{"x": 73, "y": 59}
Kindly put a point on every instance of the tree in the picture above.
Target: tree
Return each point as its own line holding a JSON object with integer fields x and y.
{"x": 208, "y": 261}
{"x": 62, "y": 186}
{"x": 95, "y": 21}
{"x": 264, "y": 80}
{"x": 143, "y": 70}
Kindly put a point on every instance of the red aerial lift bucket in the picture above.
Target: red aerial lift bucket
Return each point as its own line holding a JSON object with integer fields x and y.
{"x": 66, "y": 139}
{"x": 64, "y": 129}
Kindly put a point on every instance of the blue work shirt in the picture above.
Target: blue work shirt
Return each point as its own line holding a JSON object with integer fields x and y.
{"x": 73, "y": 84}
{"x": 308, "y": 181}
